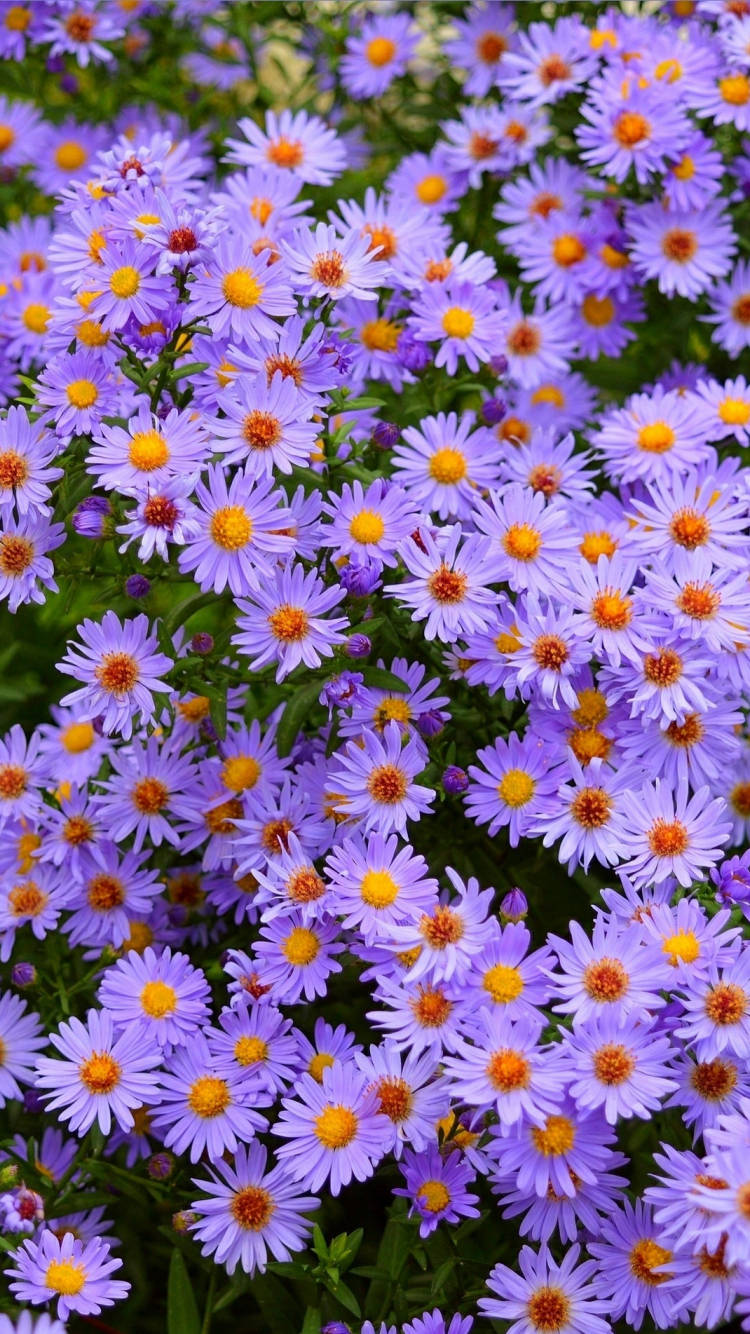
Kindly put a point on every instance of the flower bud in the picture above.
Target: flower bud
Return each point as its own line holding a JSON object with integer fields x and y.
{"x": 430, "y": 724}
{"x": 137, "y": 586}
{"x": 514, "y": 906}
{"x": 184, "y": 1220}
{"x": 202, "y": 643}
{"x": 454, "y": 780}
{"x": 360, "y": 580}
{"x": 160, "y": 1166}
{"x": 493, "y": 410}
{"x": 23, "y": 975}
{"x": 386, "y": 435}
{"x": 498, "y": 364}
{"x": 90, "y": 517}
{"x": 358, "y": 646}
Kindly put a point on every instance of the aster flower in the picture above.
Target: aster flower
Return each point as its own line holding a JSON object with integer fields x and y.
{"x": 633, "y": 1266}
{"x": 333, "y": 1130}
{"x": 110, "y": 888}
{"x": 120, "y": 665}
{"x": 613, "y": 973}
{"x": 427, "y": 180}
{"x": 557, "y": 1157}
{"x": 23, "y": 771}
{"x": 26, "y": 572}
{"x": 716, "y": 1010}
{"x": 654, "y": 436}
{"x": 619, "y": 1064}
{"x": 257, "y": 1043}
{"x": 376, "y": 782}
{"x": 671, "y": 833}
{"x": 442, "y": 462}
{"x": 628, "y": 126}
{"x": 247, "y": 1212}
{"x": 376, "y": 884}
{"x": 449, "y": 933}
{"x": 199, "y": 1110}
{"x": 265, "y": 426}
{"x": 729, "y": 303}
{"x": 436, "y": 1187}
{"x": 323, "y": 264}
{"x": 78, "y": 390}
{"x": 298, "y": 957}
{"x": 149, "y": 788}
{"x": 513, "y": 787}
{"x": 101, "y": 1077}
{"x": 240, "y": 294}
{"x": 464, "y": 319}
{"x": 705, "y": 603}
{"x": 547, "y": 1295}
{"x": 25, "y": 455}
{"x": 33, "y": 897}
{"x": 536, "y": 344}
{"x": 369, "y": 523}
{"x": 153, "y": 450}
{"x": 421, "y": 1016}
{"x": 529, "y": 538}
{"x": 482, "y": 40}
{"x": 75, "y": 1272}
{"x": 129, "y": 288}
{"x": 409, "y": 1093}
{"x": 21, "y": 1038}
{"x": 505, "y": 976}
{"x": 377, "y": 54}
{"x": 477, "y": 143}
{"x": 162, "y": 996}
{"x": 291, "y": 141}
{"x": 502, "y": 1067}
{"x": 283, "y": 621}
{"x": 450, "y": 588}
{"x": 551, "y": 60}
{"x": 684, "y": 251}
{"x": 242, "y": 526}
{"x": 160, "y": 517}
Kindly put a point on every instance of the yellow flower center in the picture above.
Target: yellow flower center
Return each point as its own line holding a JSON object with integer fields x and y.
{"x": 231, "y": 527}
{"x": 252, "y": 1208}
{"x": 656, "y": 438}
{"x": 240, "y": 772}
{"x": 568, "y": 250}
{"x": 380, "y": 51}
{"x": 447, "y": 466}
{"x": 684, "y": 170}
{"x": 36, "y": 317}
{"x": 378, "y": 889}
{"x": 289, "y": 624}
{"x": 646, "y": 1256}
{"x": 65, "y": 1277}
{"x": 682, "y": 947}
{"x": 125, "y": 281}
{"x": 522, "y": 542}
{"x": 380, "y": 335}
{"x": 557, "y": 1137}
{"x": 367, "y": 526}
{"x": 250, "y": 1050}
{"x": 735, "y": 89}
{"x": 734, "y": 411}
{"x": 158, "y": 999}
{"x": 318, "y": 1063}
{"x": 503, "y": 983}
{"x": 458, "y": 322}
{"x": 434, "y": 1195}
{"x": 336, "y": 1126}
{"x": 598, "y": 311}
{"x": 209, "y": 1096}
{"x": 100, "y": 1073}
{"x": 148, "y": 451}
{"x": 241, "y": 288}
{"x": 301, "y": 946}
{"x": 17, "y": 18}
{"x": 82, "y": 393}
{"x": 431, "y": 188}
{"x": 548, "y": 1310}
{"x": 7, "y": 137}
{"x": 70, "y": 155}
{"x": 516, "y": 787}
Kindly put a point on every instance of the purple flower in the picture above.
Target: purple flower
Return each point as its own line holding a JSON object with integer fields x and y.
{"x": 376, "y": 782}
{"x": 120, "y": 664}
{"x": 75, "y": 1272}
{"x": 101, "y": 1077}
{"x": 284, "y": 621}
{"x": 333, "y": 1130}
{"x": 200, "y": 1110}
{"x": 436, "y": 1188}
{"x": 547, "y": 1295}
{"x": 90, "y": 517}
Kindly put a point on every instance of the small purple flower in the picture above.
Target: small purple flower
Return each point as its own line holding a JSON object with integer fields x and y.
{"x": 358, "y": 646}
{"x": 137, "y": 586}
{"x": 120, "y": 665}
{"x": 23, "y": 975}
{"x": 360, "y": 578}
{"x": 386, "y": 435}
{"x": 514, "y": 906}
{"x": 436, "y": 1187}
{"x": 90, "y": 517}
{"x": 77, "y": 1273}
{"x": 455, "y": 780}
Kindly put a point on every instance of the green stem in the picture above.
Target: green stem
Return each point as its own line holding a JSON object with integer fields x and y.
{"x": 206, "y": 1326}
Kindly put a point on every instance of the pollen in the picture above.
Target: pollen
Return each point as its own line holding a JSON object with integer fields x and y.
{"x": 100, "y": 1073}
{"x": 610, "y": 610}
{"x": 367, "y": 526}
{"x": 545, "y": 203}
{"x": 553, "y": 70}
{"x": 329, "y": 269}
{"x": 631, "y": 128}
{"x": 434, "y": 1196}
{"x": 735, "y": 89}
{"x": 250, "y": 1050}
{"x": 7, "y": 137}
{"x": 431, "y": 189}
{"x": 65, "y": 1277}
{"x": 275, "y": 836}
{"x": 148, "y": 450}
{"x": 117, "y": 673}
{"x": 568, "y": 250}
{"x": 181, "y": 240}
{"x": 16, "y": 554}
{"x": 667, "y": 838}
{"x": 82, "y": 393}
{"x": 613, "y": 1064}
{"x": 240, "y": 772}
{"x": 447, "y": 586}
{"x": 301, "y": 947}
{"x": 231, "y": 527}
{"x": 684, "y": 170}
{"x": 150, "y": 796}
{"x": 592, "y": 708}
{"x": 161, "y": 512}
{"x": 382, "y": 239}
{"x": 209, "y": 1096}
{"x": 289, "y": 367}
{"x": 503, "y": 983}
{"x": 17, "y": 18}
{"x": 91, "y": 334}
{"x": 549, "y": 393}
{"x": 395, "y": 1098}
{"x": 77, "y": 830}
{"x": 508, "y": 1070}
{"x": 548, "y": 1309}
{"x": 516, "y": 788}
{"x": 305, "y": 885}
{"x": 105, "y": 892}
{"x": 391, "y": 710}
{"x": 679, "y": 244}
{"x": 289, "y": 624}
{"x": 522, "y": 542}
{"x": 378, "y": 889}
{"x": 524, "y": 339}
{"x": 557, "y": 1137}
{"x": 726, "y": 1004}
{"x": 714, "y": 1080}
{"x": 740, "y": 799}
{"x": 336, "y": 1126}
{"x": 196, "y": 709}
{"x": 438, "y": 270}
{"x": 662, "y": 668}
{"x": 682, "y": 947}
{"x": 647, "y": 1256}
{"x": 14, "y": 470}
{"x": 285, "y": 153}
{"x": 261, "y": 430}
{"x": 445, "y": 927}
{"x": 741, "y": 309}
{"x": 321, "y": 1061}
{"x": 699, "y": 601}
{"x": 598, "y": 311}
{"x": 252, "y": 1208}
{"x": 614, "y": 259}
{"x": 605, "y": 980}
{"x": 125, "y": 281}
{"x": 431, "y": 1007}
{"x": 686, "y": 734}
{"x": 482, "y": 146}
{"x": 241, "y": 288}
{"x": 734, "y": 411}
{"x": 380, "y": 335}
{"x": 447, "y": 466}
{"x": 506, "y": 641}
{"x": 550, "y": 652}
{"x": 27, "y": 900}
{"x": 458, "y": 322}
{"x": 545, "y": 477}
{"x": 656, "y": 438}
{"x": 158, "y": 999}
{"x": 387, "y": 784}
{"x": 220, "y": 819}
{"x": 36, "y": 317}
{"x": 380, "y": 51}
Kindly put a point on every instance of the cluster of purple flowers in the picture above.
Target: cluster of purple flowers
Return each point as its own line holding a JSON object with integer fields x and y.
{"x": 199, "y": 352}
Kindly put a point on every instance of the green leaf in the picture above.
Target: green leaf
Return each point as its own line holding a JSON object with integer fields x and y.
{"x": 383, "y": 680}
{"x": 192, "y": 369}
{"x": 294, "y": 715}
{"x": 184, "y": 610}
{"x": 182, "y": 1308}
{"x": 311, "y": 1323}
{"x": 345, "y": 1297}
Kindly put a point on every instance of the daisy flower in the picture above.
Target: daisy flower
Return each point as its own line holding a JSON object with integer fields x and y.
{"x": 464, "y": 319}
{"x": 152, "y": 450}
{"x": 129, "y": 287}
{"x": 200, "y": 1110}
{"x": 729, "y": 303}
{"x": 538, "y": 344}
{"x": 557, "y": 1157}
{"x": 266, "y": 425}
{"x": 450, "y": 589}
{"x": 512, "y": 787}
{"x": 246, "y": 1212}
{"x": 80, "y": 30}
{"x": 377, "y": 54}
{"x": 242, "y": 531}
{"x": 481, "y": 43}
{"x": 427, "y": 180}
{"x": 21, "y": 133}
{"x": 161, "y": 995}
{"x": 259, "y": 1044}
{"x": 78, "y": 390}
{"x": 503, "y": 1068}
{"x": 160, "y": 517}
{"x": 321, "y": 263}
{"x": 608, "y": 613}
{"x": 76, "y": 1273}
{"x": 375, "y": 782}
{"x": 728, "y": 408}
{"x": 716, "y": 1010}
{"x": 654, "y": 437}
{"x": 110, "y": 888}
{"x": 695, "y": 178}
{"x": 376, "y": 884}
{"x": 707, "y": 604}
{"x": 408, "y": 1092}
{"x": 529, "y": 538}
{"x": 283, "y": 621}
{"x": 551, "y": 60}
{"x": 369, "y": 524}
{"x": 555, "y": 256}
{"x": 725, "y": 100}
{"x": 333, "y": 1131}
{"x": 26, "y": 572}
{"x": 298, "y": 956}
{"x": 686, "y": 512}
{"x": 240, "y": 294}
{"x": 121, "y": 667}
{"x": 630, "y": 127}
{"x": 614, "y": 972}
{"x": 422, "y": 1016}
{"x": 444, "y": 461}
{"x": 547, "y": 1295}
{"x": 26, "y": 452}
{"x": 619, "y": 1064}
{"x": 549, "y": 652}
{"x": 150, "y": 787}
{"x": 20, "y": 1039}
{"x": 291, "y": 141}
{"x": 672, "y": 834}
{"x": 436, "y": 1188}
{"x": 101, "y": 1077}
{"x": 632, "y": 1272}
{"x": 684, "y": 251}
{"x": 476, "y": 143}
{"x": 448, "y": 934}
{"x": 292, "y": 884}
{"x": 34, "y": 900}
{"x": 505, "y": 976}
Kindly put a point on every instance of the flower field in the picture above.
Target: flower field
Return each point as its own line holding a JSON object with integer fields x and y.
{"x": 374, "y": 666}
